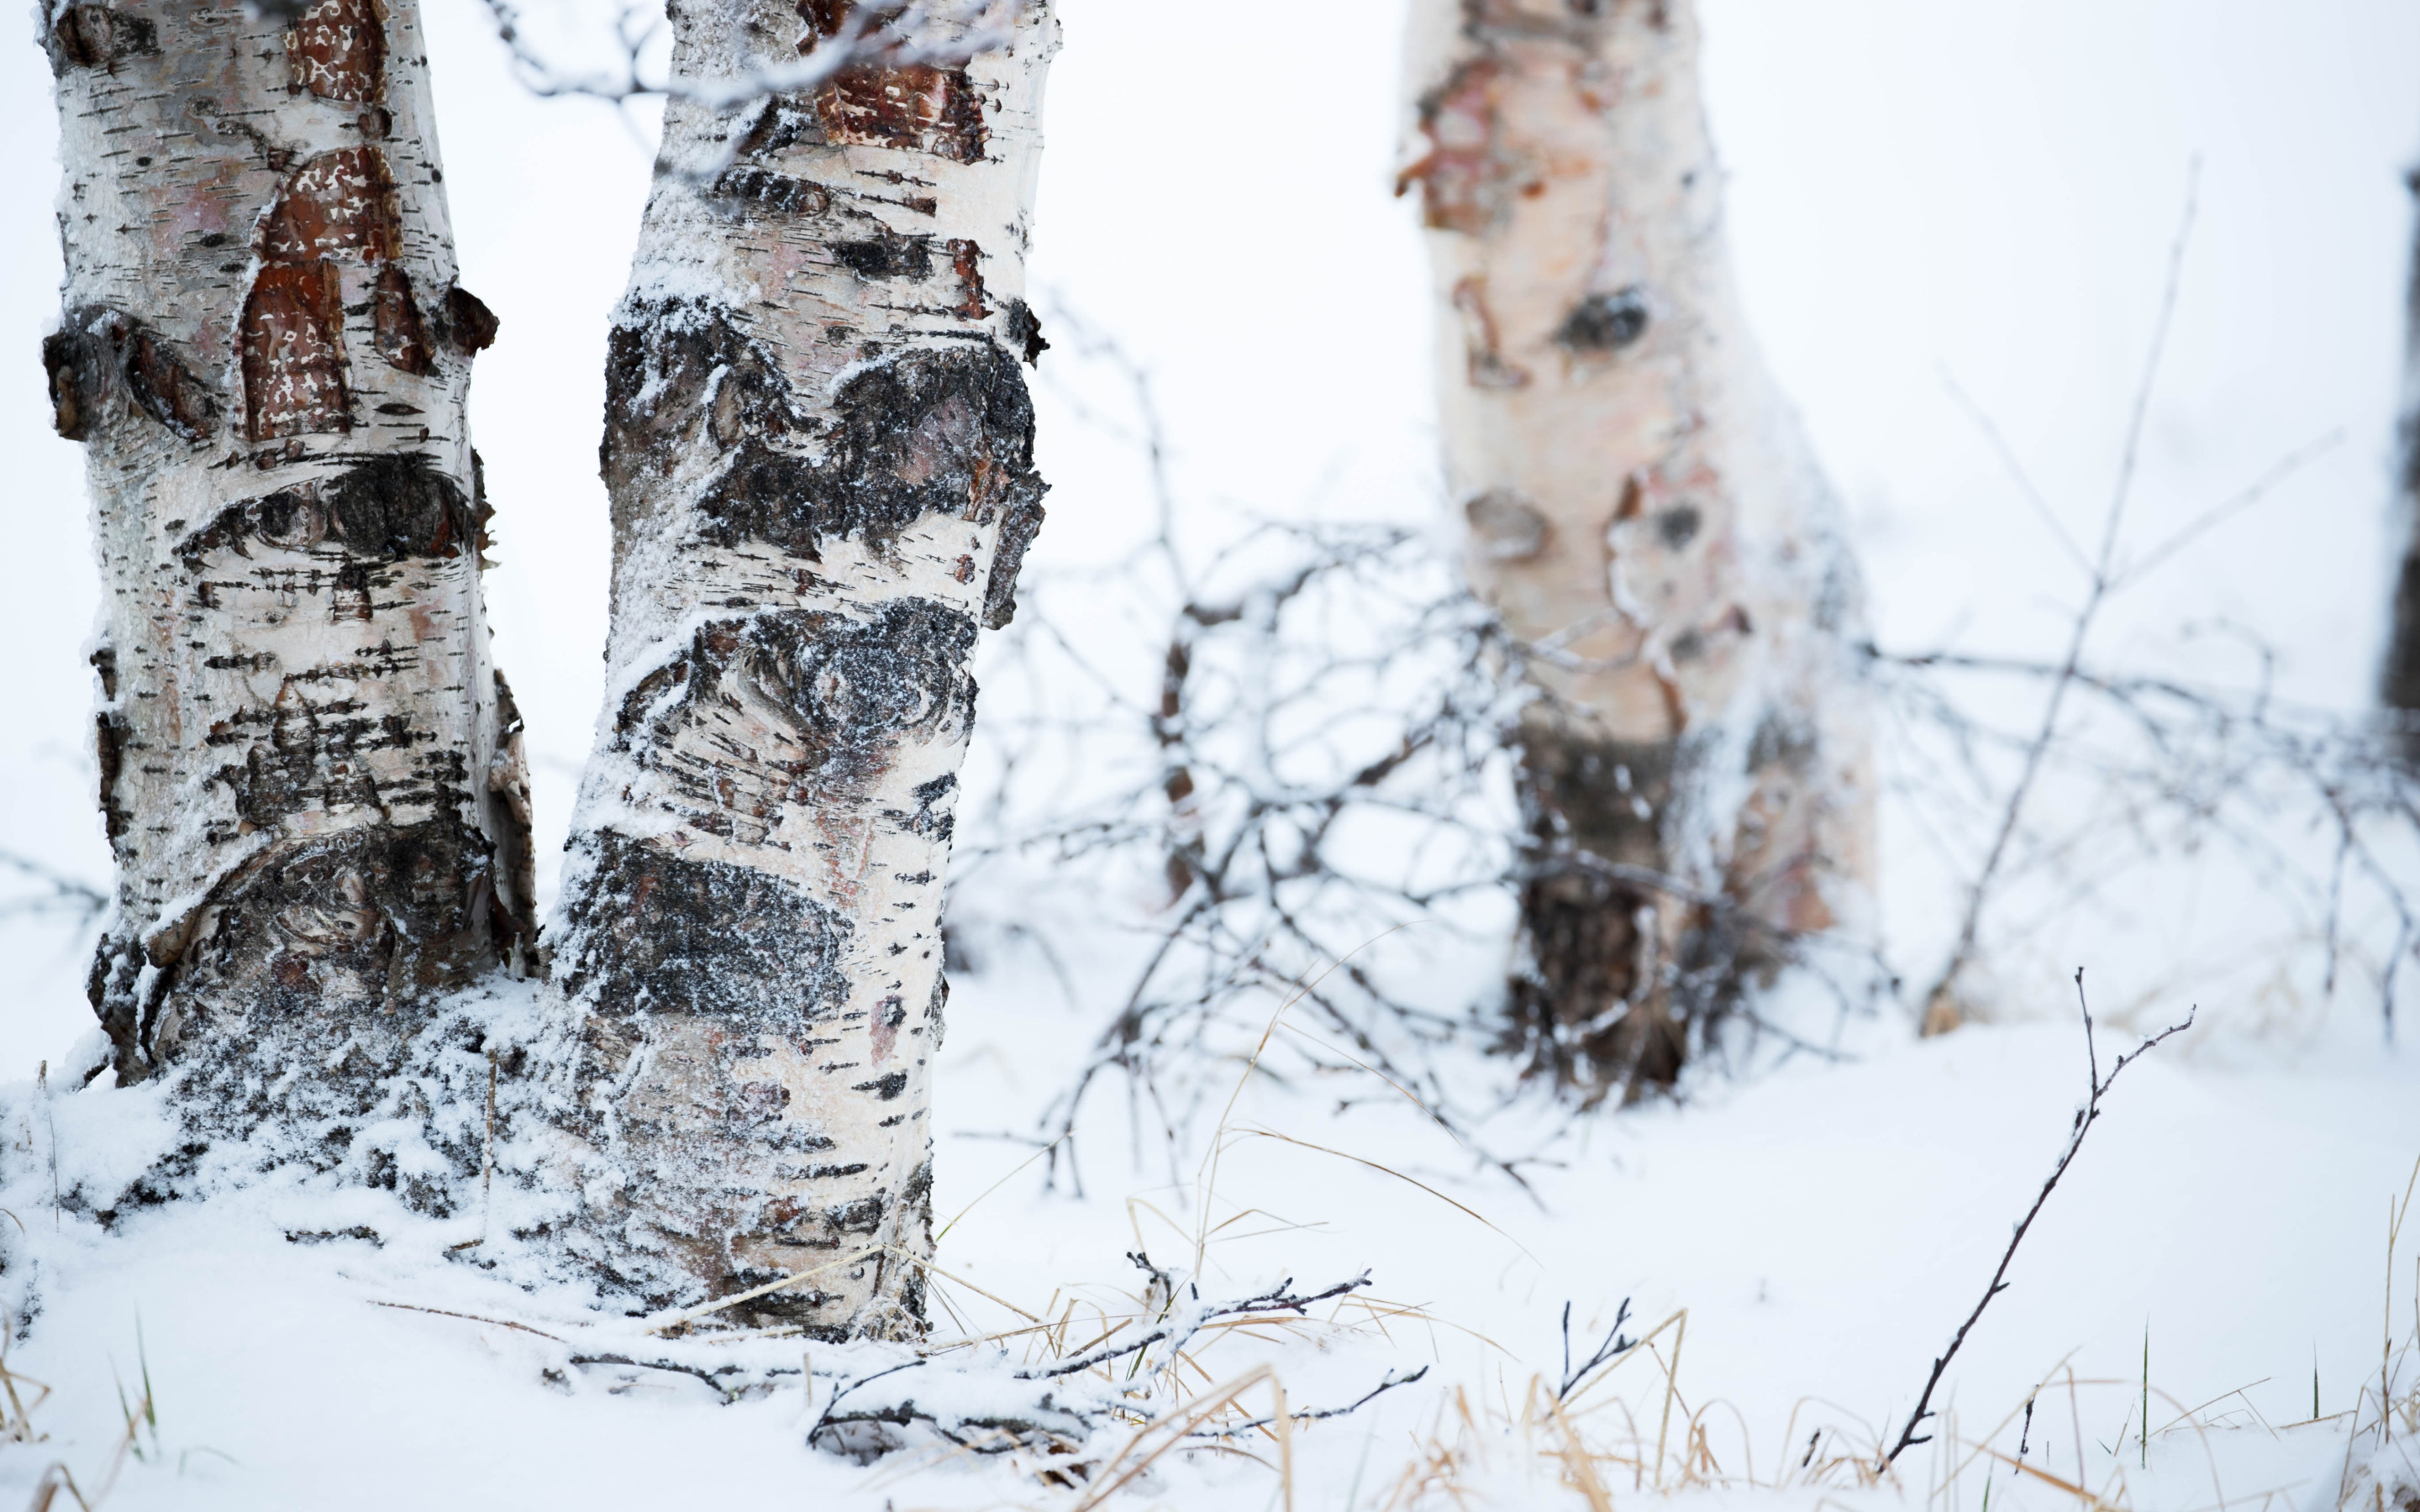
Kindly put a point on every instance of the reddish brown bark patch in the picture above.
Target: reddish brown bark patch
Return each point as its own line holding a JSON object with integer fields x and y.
{"x": 337, "y": 50}
{"x": 915, "y": 106}
{"x": 918, "y": 108}
{"x": 1468, "y": 181}
{"x": 338, "y": 203}
{"x": 97, "y": 36}
{"x": 292, "y": 347}
{"x": 966, "y": 261}
{"x": 401, "y": 336}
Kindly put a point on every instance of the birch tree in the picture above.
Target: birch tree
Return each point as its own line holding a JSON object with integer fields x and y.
{"x": 310, "y": 771}
{"x": 2399, "y": 682}
{"x": 819, "y": 450}
{"x": 1645, "y": 514}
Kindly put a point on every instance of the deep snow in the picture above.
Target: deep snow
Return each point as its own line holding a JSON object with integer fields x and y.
{"x": 1824, "y": 1228}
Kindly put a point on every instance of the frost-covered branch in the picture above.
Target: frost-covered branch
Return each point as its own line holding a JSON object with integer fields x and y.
{"x": 888, "y": 33}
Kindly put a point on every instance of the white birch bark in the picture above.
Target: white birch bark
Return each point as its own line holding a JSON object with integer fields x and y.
{"x": 819, "y": 450}
{"x": 1643, "y": 509}
{"x": 309, "y": 769}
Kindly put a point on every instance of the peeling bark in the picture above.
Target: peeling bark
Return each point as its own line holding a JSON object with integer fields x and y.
{"x": 320, "y": 825}
{"x": 1643, "y": 508}
{"x": 818, "y": 446}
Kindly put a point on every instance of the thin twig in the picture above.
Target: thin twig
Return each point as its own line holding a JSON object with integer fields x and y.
{"x": 2085, "y": 1117}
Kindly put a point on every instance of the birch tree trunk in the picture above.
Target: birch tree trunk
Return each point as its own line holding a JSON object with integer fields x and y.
{"x": 310, "y": 772}
{"x": 1645, "y": 513}
{"x": 2399, "y": 682}
{"x": 819, "y": 450}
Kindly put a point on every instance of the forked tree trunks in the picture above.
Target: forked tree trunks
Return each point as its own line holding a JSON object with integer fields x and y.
{"x": 310, "y": 771}
{"x": 1645, "y": 513}
{"x": 819, "y": 450}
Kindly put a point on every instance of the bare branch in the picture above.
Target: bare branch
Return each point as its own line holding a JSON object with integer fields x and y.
{"x": 2085, "y": 1117}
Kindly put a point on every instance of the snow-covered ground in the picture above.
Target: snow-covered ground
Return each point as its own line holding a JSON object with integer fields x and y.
{"x": 1987, "y": 189}
{"x": 1823, "y": 1228}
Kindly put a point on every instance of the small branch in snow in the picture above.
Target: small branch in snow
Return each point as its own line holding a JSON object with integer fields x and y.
{"x": 1183, "y": 1323}
{"x": 675, "y": 1367}
{"x": 2085, "y": 1117}
{"x": 1315, "y": 1414}
{"x": 1613, "y": 1347}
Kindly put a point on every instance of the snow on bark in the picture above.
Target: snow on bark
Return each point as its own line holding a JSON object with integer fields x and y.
{"x": 1642, "y": 510}
{"x": 308, "y": 767}
{"x": 819, "y": 450}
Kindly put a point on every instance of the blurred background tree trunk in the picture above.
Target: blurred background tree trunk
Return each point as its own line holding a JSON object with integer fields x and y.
{"x": 2399, "y": 685}
{"x": 310, "y": 772}
{"x": 820, "y": 452}
{"x": 1646, "y": 515}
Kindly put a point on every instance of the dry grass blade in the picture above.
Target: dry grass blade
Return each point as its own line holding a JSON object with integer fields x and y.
{"x": 707, "y": 1309}
{"x": 2019, "y": 1467}
{"x": 927, "y": 1266}
{"x": 1169, "y": 1432}
{"x": 997, "y": 1185}
{"x": 1256, "y": 1132}
{"x": 469, "y": 1318}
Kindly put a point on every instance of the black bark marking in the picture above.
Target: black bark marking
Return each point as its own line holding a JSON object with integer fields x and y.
{"x": 885, "y": 1088}
{"x": 1019, "y": 524}
{"x": 304, "y": 756}
{"x": 1025, "y": 332}
{"x": 846, "y": 692}
{"x": 1605, "y": 322}
{"x": 470, "y": 326}
{"x": 111, "y": 735}
{"x": 1506, "y": 526}
{"x": 164, "y": 388}
{"x": 657, "y": 931}
{"x": 889, "y": 256}
{"x": 926, "y": 432}
{"x": 301, "y": 939}
{"x": 400, "y": 334}
{"x": 775, "y": 193}
{"x": 96, "y": 345}
{"x": 389, "y": 507}
{"x": 1678, "y": 526}
{"x": 74, "y": 393}
{"x": 1583, "y": 1012}
{"x": 99, "y": 37}
{"x": 508, "y": 780}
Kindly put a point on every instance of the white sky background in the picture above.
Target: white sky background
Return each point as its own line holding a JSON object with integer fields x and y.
{"x": 1985, "y": 188}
